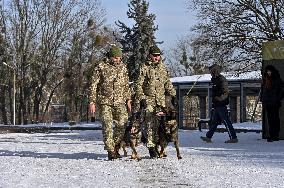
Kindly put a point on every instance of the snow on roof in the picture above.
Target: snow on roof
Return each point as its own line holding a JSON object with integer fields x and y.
{"x": 231, "y": 76}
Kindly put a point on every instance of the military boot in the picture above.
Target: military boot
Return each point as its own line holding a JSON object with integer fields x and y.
{"x": 93, "y": 119}
{"x": 206, "y": 139}
{"x": 233, "y": 140}
{"x": 116, "y": 151}
{"x": 111, "y": 155}
{"x": 153, "y": 153}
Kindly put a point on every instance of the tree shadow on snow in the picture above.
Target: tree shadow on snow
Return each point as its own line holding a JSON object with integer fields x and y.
{"x": 78, "y": 135}
{"x": 81, "y": 155}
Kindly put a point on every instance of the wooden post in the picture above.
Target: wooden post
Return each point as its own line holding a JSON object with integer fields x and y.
{"x": 242, "y": 104}
{"x": 233, "y": 109}
{"x": 202, "y": 104}
{"x": 180, "y": 107}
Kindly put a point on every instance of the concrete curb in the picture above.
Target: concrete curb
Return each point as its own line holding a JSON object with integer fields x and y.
{"x": 41, "y": 129}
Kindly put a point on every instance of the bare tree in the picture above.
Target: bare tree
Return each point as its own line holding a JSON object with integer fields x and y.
{"x": 61, "y": 21}
{"x": 39, "y": 36}
{"x": 232, "y": 32}
{"x": 184, "y": 60}
{"x": 20, "y": 31}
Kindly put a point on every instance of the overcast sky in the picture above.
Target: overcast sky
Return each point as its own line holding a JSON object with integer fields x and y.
{"x": 172, "y": 17}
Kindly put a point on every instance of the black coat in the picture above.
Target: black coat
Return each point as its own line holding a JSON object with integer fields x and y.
{"x": 220, "y": 88}
{"x": 273, "y": 95}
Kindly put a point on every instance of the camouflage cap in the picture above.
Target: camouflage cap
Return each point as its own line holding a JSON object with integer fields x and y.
{"x": 115, "y": 51}
{"x": 154, "y": 50}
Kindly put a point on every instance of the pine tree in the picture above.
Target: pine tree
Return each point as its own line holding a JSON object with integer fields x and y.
{"x": 137, "y": 40}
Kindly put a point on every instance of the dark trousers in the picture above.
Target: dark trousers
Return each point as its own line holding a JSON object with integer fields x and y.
{"x": 272, "y": 112}
{"x": 220, "y": 114}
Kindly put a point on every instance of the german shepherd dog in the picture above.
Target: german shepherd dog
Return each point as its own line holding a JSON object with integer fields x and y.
{"x": 132, "y": 138}
{"x": 168, "y": 128}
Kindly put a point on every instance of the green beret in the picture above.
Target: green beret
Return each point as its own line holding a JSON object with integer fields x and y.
{"x": 154, "y": 50}
{"x": 115, "y": 51}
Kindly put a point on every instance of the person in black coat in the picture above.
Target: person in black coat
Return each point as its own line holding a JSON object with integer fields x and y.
{"x": 220, "y": 100}
{"x": 271, "y": 95}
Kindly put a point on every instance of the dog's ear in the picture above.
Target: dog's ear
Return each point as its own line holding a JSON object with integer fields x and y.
{"x": 136, "y": 123}
{"x": 174, "y": 102}
{"x": 170, "y": 103}
{"x": 174, "y": 114}
{"x": 143, "y": 104}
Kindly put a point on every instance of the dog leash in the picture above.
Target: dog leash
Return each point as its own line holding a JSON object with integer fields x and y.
{"x": 193, "y": 85}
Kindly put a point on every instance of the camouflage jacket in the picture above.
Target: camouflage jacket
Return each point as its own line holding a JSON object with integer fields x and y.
{"x": 110, "y": 84}
{"x": 153, "y": 83}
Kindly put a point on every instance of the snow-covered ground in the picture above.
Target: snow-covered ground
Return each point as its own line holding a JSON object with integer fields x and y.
{"x": 77, "y": 159}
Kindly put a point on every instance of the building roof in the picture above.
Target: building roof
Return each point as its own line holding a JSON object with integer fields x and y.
{"x": 253, "y": 75}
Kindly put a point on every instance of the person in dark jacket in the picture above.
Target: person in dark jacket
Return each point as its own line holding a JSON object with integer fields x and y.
{"x": 271, "y": 95}
{"x": 220, "y": 100}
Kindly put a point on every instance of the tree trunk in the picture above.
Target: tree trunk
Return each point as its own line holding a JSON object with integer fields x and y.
{"x": 20, "y": 108}
{"x": 25, "y": 102}
{"x": 37, "y": 100}
{"x": 3, "y": 105}
{"x": 11, "y": 104}
{"x": 50, "y": 97}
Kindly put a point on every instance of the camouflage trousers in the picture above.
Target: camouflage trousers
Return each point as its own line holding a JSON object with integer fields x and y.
{"x": 151, "y": 125}
{"x": 117, "y": 116}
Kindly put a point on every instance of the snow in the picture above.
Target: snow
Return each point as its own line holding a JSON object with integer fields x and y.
{"x": 247, "y": 126}
{"x": 77, "y": 159}
{"x": 253, "y": 75}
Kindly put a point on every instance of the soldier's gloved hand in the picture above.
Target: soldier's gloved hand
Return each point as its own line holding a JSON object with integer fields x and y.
{"x": 143, "y": 104}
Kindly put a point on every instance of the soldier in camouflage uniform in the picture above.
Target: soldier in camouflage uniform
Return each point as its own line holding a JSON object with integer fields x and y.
{"x": 151, "y": 86}
{"x": 110, "y": 91}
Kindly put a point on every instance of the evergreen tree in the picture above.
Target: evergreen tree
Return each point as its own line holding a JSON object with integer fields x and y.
{"x": 191, "y": 65}
{"x": 184, "y": 61}
{"x": 137, "y": 40}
